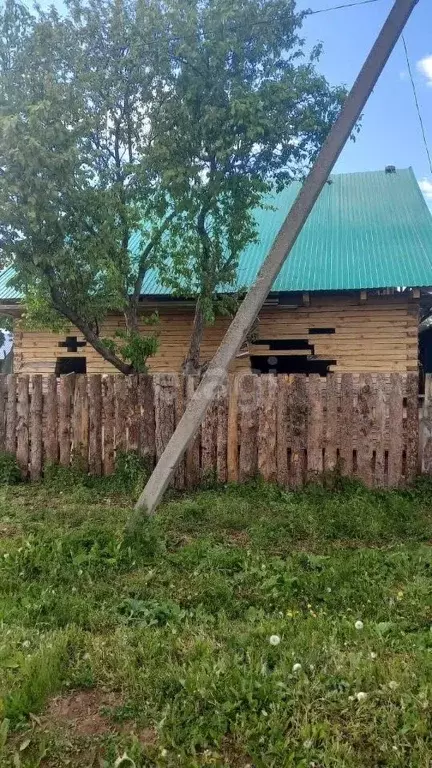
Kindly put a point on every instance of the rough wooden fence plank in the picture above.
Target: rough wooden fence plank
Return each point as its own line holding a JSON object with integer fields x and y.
{"x": 298, "y": 428}
{"x": 315, "y": 434}
{"x": 179, "y": 406}
{"x": 108, "y": 416}
{"x": 233, "y": 424}
{"x": 364, "y": 416}
{"x": 146, "y": 437}
{"x": 132, "y": 413}
{"x": 80, "y": 423}
{"x": 412, "y": 427}
{"x": 66, "y": 388}
{"x": 282, "y": 426}
{"x": 3, "y": 402}
{"x": 165, "y": 386}
{"x": 209, "y": 442}
{"x": 331, "y": 423}
{"x": 36, "y": 427}
{"x": 381, "y": 405}
{"x": 346, "y": 424}
{"x": 95, "y": 424}
{"x": 11, "y": 413}
{"x": 120, "y": 395}
{"x": 192, "y": 461}
{"x": 50, "y": 405}
{"x": 396, "y": 430}
{"x": 22, "y": 452}
{"x": 267, "y": 427}
{"x": 222, "y": 432}
{"x": 425, "y": 438}
{"x": 248, "y": 456}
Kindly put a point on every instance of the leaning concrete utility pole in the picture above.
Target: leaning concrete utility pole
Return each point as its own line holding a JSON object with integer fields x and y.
{"x": 290, "y": 230}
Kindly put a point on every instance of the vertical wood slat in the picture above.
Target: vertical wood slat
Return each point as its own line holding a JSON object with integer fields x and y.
{"x": 248, "y": 454}
{"x": 315, "y": 434}
{"x": 331, "y": 423}
{"x": 381, "y": 404}
{"x": 3, "y": 402}
{"x": 108, "y": 419}
{"x": 209, "y": 442}
{"x": 364, "y": 419}
{"x": 396, "y": 426}
{"x": 412, "y": 427}
{"x": 425, "y": 438}
{"x": 267, "y": 427}
{"x": 233, "y": 438}
{"x": 192, "y": 459}
{"x": 22, "y": 450}
{"x": 120, "y": 396}
{"x": 165, "y": 386}
{"x": 179, "y": 406}
{"x": 282, "y": 426}
{"x": 298, "y": 428}
{"x": 346, "y": 421}
{"x": 11, "y": 413}
{"x": 95, "y": 424}
{"x": 222, "y": 432}
{"x": 132, "y": 413}
{"x": 146, "y": 433}
{"x": 50, "y": 405}
{"x": 36, "y": 427}
{"x": 66, "y": 387}
{"x": 80, "y": 423}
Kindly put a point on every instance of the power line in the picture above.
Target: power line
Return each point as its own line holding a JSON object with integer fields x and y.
{"x": 422, "y": 128}
{"x": 344, "y": 5}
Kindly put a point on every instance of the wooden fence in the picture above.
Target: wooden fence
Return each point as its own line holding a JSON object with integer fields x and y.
{"x": 288, "y": 429}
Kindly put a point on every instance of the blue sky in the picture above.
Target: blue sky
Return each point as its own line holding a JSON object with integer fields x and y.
{"x": 390, "y": 133}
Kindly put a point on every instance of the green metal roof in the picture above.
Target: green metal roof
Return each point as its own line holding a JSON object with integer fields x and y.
{"x": 367, "y": 230}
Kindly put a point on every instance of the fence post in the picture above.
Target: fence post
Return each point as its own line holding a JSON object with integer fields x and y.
{"x": 425, "y": 435}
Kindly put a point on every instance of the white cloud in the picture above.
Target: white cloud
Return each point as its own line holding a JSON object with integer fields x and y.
{"x": 403, "y": 75}
{"x": 424, "y": 66}
{"x": 426, "y": 187}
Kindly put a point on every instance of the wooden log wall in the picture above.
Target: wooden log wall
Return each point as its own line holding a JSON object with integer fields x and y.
{"x": 378, "y": 335}
{"x": 286, "y": 429}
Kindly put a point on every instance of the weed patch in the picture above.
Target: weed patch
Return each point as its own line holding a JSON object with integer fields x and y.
{"x": 242, "y": 626}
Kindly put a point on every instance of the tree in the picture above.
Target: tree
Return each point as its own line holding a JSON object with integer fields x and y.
{"x": 161, "y": 121}
{"x": 76, "y": 100}
{"x": 245, "y": 112}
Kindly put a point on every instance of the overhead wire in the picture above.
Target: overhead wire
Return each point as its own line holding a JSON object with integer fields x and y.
{"x": 417, "y": 104}
{"x": 343, "y": 5}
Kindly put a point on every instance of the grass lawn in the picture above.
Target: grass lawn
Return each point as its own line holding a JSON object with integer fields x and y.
{"x": 250, "y": 627}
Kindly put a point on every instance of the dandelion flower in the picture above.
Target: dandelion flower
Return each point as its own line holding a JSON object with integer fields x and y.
{"x": 359, "y": 624}
{"x": 296, "y": 667}
{"x": 361, "y": 696}
{"x": 274, "y": 640}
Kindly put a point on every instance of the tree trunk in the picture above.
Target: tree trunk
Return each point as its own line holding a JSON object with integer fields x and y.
{"x": 191, "y": 365}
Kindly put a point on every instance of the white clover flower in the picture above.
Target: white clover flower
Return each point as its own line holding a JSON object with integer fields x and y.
{"x": 164, "y": 752}
{"x": 308, "y": 744}
{"x": 274, "y": 640}
{"x": 296, "y": 667}
{"x": 359, "y": 624}
{"x": 26, "y": 644}
{"x": 361, "y": 696}
{"x": 373, "y": 655}
{"x": 393, "y": 685}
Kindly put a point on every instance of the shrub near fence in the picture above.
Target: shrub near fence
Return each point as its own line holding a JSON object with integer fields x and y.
{"x": 287, "y": 429}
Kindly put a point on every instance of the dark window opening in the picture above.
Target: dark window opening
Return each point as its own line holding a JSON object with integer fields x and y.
{"x": 290, "y": 364}
{"x": 275, "y": 344}
{"x": 70, "y": 365}
{"x": 316, "y": 331}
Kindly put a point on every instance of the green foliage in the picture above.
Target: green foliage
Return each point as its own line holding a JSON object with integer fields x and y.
{"x": 9, "y": 470}
{"x": 161, "y": 123}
